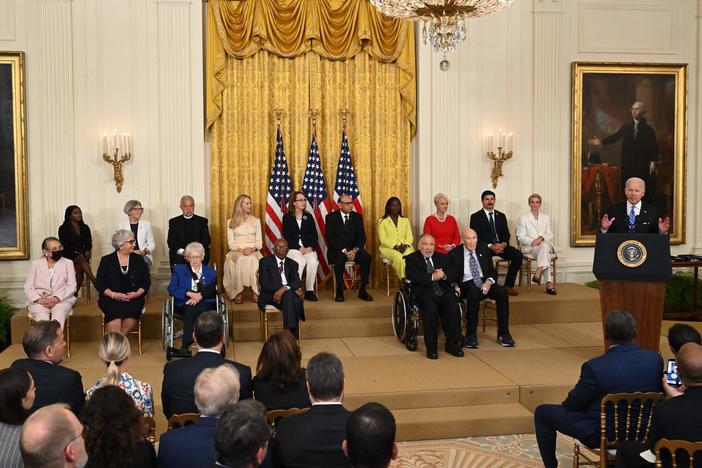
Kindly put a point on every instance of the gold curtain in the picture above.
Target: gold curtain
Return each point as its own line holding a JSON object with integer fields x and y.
{"x": 320, "y": 54}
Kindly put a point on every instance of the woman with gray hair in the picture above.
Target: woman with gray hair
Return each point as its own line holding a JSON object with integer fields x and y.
{"x": 141, "y": 229}
{"x": 122, "y": 280}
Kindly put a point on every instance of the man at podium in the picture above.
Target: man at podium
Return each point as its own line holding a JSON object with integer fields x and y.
{"x": 634, "y": 216}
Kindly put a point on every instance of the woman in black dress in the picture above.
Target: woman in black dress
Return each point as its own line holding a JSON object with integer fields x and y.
{"x": 122, "y": 281}
{"x": 77, "y": 243}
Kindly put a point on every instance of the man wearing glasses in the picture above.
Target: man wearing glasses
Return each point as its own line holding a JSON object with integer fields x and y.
{"x": 53, "y": 436}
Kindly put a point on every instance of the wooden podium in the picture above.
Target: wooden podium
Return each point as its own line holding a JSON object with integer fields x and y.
{"x": 633, "y": 270}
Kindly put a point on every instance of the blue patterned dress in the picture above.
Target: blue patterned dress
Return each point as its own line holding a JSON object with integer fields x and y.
{"x": 140, "y": 392}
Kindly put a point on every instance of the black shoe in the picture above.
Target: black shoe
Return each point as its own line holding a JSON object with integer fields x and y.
{"x": 364, "y": 296}
{"x": 180, "y": 352}
{"x": 432, "y": 355}
{"x": 506, "y": 340}
{"x": 454, "y": 351}
{"x": 536, "y": 280}
{"x": 311, "y": 296}
{"x": 471, "y": 342}
{"x": 339, "y": 296}
{"x": 551, "y": 291}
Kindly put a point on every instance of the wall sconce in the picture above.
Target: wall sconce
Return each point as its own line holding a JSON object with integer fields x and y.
{"x": 113, "y": 157}
{"x": 504, "y": 152}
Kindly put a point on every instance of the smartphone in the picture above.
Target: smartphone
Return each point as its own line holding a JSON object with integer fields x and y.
{"x": 671, "y": 374}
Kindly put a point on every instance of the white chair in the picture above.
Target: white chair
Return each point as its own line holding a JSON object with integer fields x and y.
{"x": 388, "y": 273}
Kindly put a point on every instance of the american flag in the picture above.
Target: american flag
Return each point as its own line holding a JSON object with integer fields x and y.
{"x": 346, "y": 178}
{"x": 279, "y": 190}
{"x": 315, "y": 191}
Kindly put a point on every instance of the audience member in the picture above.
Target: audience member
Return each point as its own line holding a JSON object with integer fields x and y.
{"x": 430, "y": 274}
{"x": 313, "y": 439}
{"x": 245, "y": 241}
{"x": 114, "y": 431}
{"x": 179, "y": 376}
{"x": 346, "y": 240}
{"x": 300, "y": 230}
{"x": 44, "y": 345}
{"x": 216, "y": 389}
{"x": 194, "y": 289}
{"x": 242, "y": 435}
{"x": 145, "y": 244}
{"x": 77, "y": 243}
{"x": 187, "y": 228}
{"x": 122, "y": 281}
{"x": 114, "y": 352}
{"x": 535, "y": 237}
{"x": 281, "y": 287}
{"x": 634, "y": 215}
{"x": 17, "y": 392}
{"x": 52, "y": 437}
{"x": 624, "y": 367}
{"x": 51, "y": 284}
{"x": 280, "y": 381}
{"x": 491, "y": 227}
{"x": 475, "y": 274}
{"x": 395, "y": 236}
{"x": 442, "y": 226}
{"x": 680, "y": 334}
{"x": 370, "y": 437}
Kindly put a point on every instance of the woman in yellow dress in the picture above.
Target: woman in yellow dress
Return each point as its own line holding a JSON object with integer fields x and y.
{"x": 395, "y": 236}
{"x": 245, "y": 242}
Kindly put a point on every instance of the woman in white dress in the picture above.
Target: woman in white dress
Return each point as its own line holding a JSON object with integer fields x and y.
{"x": 245, "y": 241}
{"x": 536, "y": 238}
{"x": 145, "y": 244}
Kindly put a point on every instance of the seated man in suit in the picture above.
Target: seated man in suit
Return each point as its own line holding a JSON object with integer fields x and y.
{"x": 281, "y": 286}
{"x": 634, "y": 215}
{"x": 474, "y": 272}
{"x": 44, "y": 345}
{"x": 624, "y": 367}
{"x": 215, "y": 390}
{"x": 242, "y": 435}
{"x": 492, "y": 229}
{"x": 370, "y": 437}
{"x": 313, "y": 439}
{"x": 345, "y": 243}
{"x": 185, "y": 229}
{"x": 52, "y": 437}
{"x": 429, "y": 273}
{"x": 179, "y": 376}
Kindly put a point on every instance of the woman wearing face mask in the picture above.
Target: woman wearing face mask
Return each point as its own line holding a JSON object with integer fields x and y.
{"x": 51, "y": 284}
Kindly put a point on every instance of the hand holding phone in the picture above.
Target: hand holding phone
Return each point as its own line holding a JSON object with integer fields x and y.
{"x": 671, "y": 374}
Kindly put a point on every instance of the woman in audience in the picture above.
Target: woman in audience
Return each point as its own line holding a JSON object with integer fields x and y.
{"x": 442, "y": 226}
{"x": 245, "y": 241}
{"x": 114, "y": 432}
{"x": 17, "y": 393}
{"x": 114, "y": 352}
{"x": 300, "y": 230}
{"x": 122, "y": 281}
{"x": 536, "y": 238}
{"x": 77, "y": 243}
{"x": 395, "y": 236}
{"x": 280, "y": 380}
{"x": 141, "y": 229}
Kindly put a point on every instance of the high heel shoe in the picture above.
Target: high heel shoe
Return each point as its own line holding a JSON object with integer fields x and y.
{"x": 536, "y": 279}
{"x": 238, "y": 299}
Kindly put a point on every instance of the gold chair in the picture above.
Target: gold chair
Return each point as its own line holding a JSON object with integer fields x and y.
{"x": 136, "y": 332}
{"x": 66, "y": 331}
{"x": 486, "y": 304}
{"x": 388, "y": 273}
{"x": 150, "y": 429}
{"x": 353, "y": 279}
{"x": 265, "y": 315}
{"x": 673, "y": 446}
{"x": 181, "y": 420}
{"x": 613, "y": 430}
{"x": 85, "y": 289}
{"x": 274, "y": 416}
{"x": 528, "y": 259}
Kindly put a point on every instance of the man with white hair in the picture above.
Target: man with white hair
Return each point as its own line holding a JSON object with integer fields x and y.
{"x": 634, "y": 215}
{"x": 52, "y": 437}
{"x": 185, "y": 229}
{"x": 216, "y": 389}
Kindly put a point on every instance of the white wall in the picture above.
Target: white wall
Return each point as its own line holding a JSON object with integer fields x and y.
{"x": 513, "y": 72}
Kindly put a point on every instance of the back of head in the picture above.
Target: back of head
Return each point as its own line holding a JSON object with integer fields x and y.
{"x": 682, "y": 333}
{"x": 45, "y": 435}
{"x": 370, "y": 436}
{"x": 39, "y": 336}
{"x": 209, "y": 329}
{"x": 114, "y": 350}
{"x": 216, "y": 389}
{"x": 620, "y": 327}
{"x": 689, "y": 361}
{"x": 279, "y": 361}
{"x": 14, "y": 385}
{"x": 325, "y": 377}
{"x": 240, "y": 434}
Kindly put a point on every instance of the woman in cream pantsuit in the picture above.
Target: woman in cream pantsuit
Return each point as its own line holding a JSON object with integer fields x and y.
{"x": 245, "y": 241}
{"x": 144, "y": 236}
{"x": 536, "y": 238}
{"x": 395, "y": 236}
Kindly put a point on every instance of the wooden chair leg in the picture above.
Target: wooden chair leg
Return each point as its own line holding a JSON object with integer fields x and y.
{"x": 553, "y": 271}
{"x": 139, "y": 338}
{"x": 262, "y": 331}
{"x": 528, "y": 262}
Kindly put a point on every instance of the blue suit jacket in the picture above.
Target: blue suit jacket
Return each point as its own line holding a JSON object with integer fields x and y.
{"x": 181, "y": 282}
{"x": 188, "y": 447}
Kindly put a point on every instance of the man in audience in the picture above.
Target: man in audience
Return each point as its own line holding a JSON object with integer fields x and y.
{"x": 624, "y": 367}
{"x": 370, "y": 437}
{"x": 476, "y": 276}
{"x": 185, "y": 229}
{"x": 492, "y": 229}
{"x": 44, "y": 345}
{"x": 215, "y": 390}
{"x": 346, "y": 240}
{"x": 313, "y": 439}
{"x": 430, "y": 274}
{"x": 179, "y": 376}
{"x": 241, "y": 436}
{"x": 680, "y": 334}
{"x": 678, "y": 418}
{"x": 634, "y": 215}
{"x": 52, "y": 437}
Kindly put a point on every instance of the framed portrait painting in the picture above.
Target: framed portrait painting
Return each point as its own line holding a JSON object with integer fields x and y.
{"x": 14, "y": 220}
{"x": 629, "y": 120}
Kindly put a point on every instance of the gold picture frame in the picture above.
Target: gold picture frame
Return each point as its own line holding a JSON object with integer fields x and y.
{"x": 603, "y": 97}
{"x": 14, "y": 212}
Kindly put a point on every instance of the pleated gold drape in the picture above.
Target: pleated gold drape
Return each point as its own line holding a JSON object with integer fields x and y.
{"x": 322, "y": 54}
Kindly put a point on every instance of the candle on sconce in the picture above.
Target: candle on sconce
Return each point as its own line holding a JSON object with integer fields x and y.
{"x": 125, "y": 143}
{"x": 104, "y": 143}
{"x": 501, "y": 140}
{"x": 115, "y": 145}
{"x": 510, "y": 141}
{"x": 490, "y": 142}
{"x": 128, "y": 144}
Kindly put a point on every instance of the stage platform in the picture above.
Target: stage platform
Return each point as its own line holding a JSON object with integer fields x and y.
{"x": 490, "y": 391}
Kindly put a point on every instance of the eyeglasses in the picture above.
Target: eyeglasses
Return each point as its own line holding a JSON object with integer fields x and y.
{"x": 138, "y": 209}
{"x": 301, "y": 199}
{"x": 80, "y": 434}
{"x": 130, "y": 241}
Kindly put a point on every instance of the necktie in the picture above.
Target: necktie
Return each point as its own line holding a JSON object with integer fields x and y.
{"x": 492, "y": 228}
{"x": 346, "y": 220}
{"x": 281, "y": 267}
{"x": 474, "y": 271}
{"x": 632, "y": 219}
{"x": 438, "y": 290}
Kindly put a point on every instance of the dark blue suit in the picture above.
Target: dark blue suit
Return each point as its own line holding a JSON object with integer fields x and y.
{"x": 623, "y": 368}
{"x": 181, "y": 283}
{"x": 188, "y": 447}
